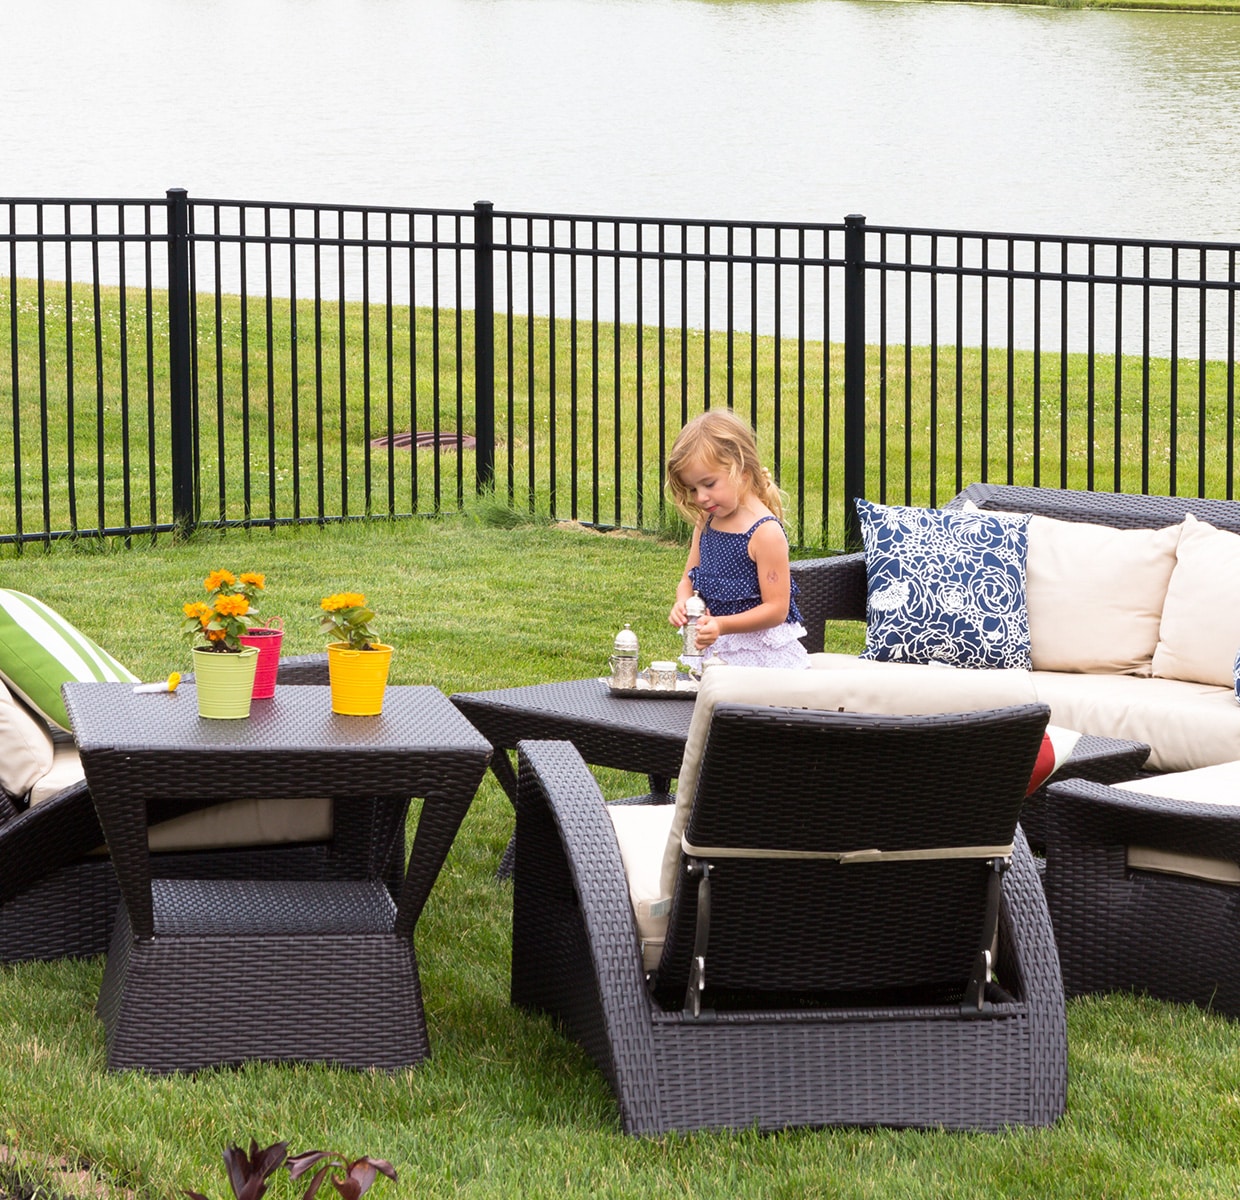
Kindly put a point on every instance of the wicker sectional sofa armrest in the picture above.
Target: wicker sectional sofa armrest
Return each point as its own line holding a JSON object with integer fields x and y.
{"x": 1082, "y": 814}
{"x": 575, "y": 948}
{"x": 38, "y": 841}
{"x": 1124, "y": 929}
{"x": 832, "y": 589}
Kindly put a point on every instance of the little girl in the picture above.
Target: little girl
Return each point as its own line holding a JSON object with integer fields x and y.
{"x": 738, "y": 561}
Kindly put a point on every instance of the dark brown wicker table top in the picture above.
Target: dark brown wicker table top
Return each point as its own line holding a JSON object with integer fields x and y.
{"x": 649, "y": 735}
{"x": 297, "y": 719}
{"x": 147, "y": 756}
{"x": 646, "y": 735}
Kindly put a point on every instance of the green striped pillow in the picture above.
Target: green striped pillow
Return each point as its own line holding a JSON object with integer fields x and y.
{"x": 40, "y": 650}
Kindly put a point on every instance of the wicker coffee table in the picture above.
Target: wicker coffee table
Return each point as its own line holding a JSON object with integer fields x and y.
{"x": 202, "y": 971}
{"x": 645, "y": 735}
{"x": 648, "y": 735}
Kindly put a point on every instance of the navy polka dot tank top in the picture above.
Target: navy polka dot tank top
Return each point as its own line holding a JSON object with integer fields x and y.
{"x": 727, "y": 578}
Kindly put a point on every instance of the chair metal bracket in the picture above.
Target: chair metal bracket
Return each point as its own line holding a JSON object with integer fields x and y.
{"x": 701, "y": 936}
{"x": 974, "y": 1003}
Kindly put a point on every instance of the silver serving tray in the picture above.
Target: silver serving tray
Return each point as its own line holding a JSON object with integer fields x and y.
{"x": 686, "y": 688}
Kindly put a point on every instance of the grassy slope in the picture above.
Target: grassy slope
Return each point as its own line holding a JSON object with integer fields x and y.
{"x": 265, "y": 442}
{"x": 506, "y": 1106}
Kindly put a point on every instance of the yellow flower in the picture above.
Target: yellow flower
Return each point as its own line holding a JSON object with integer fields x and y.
{"x": 232, "y": 606}
{"x": 254, "y": 579}
{"x": 343, "y": 600}
{"x": 196, "y": 608}
{"x": 217, "y": 579}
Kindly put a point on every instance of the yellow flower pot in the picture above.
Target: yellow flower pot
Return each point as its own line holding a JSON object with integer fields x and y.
{"x": 225, "y": 683}
{"x": 358, "y": 678}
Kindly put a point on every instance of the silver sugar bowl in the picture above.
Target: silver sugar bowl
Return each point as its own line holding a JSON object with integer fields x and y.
{"x": 624, "y": 660}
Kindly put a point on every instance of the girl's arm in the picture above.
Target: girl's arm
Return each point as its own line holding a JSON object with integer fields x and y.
{"x": 768, "y": 547}
{"x": 684, "y": 589}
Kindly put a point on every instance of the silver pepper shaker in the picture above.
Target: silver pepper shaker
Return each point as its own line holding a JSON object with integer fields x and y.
{"x": 624, "y": 660}
{"x": 695, "y": 608}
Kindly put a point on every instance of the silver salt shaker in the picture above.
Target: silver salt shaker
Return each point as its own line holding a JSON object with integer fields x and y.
{"x": 695, "y": 608}
{"x": 624, "y": 660}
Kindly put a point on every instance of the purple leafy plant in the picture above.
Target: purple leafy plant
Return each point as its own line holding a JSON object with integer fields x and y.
{"x": 250, "y": 1173}
{"x": 356, "y": 1180}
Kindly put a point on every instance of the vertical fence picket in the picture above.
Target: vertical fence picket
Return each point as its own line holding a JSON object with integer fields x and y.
{"x": 181, "y": 396}
{"x": 1099, "y": 387}
{"x": 484, "y": 346}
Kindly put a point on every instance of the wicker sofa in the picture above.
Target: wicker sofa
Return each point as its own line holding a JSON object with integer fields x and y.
{"x": 58, "y": 892}
{"x": 1188, "y": 723}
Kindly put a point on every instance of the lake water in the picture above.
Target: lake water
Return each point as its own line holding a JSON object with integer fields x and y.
{"x": 955, "y": 115}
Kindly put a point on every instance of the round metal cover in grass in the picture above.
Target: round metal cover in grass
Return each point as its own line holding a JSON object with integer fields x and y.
{"x": 426, "y": 439}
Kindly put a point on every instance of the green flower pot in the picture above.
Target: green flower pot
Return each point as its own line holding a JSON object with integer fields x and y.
{"x": 225, "y": 682}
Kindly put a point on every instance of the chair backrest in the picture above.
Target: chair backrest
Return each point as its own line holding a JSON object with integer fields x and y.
{"x": 790, "y": 806}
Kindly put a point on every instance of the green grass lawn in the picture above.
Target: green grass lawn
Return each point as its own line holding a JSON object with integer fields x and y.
{"x": 285, "y": 423}
{"x": 506, "y": 1106}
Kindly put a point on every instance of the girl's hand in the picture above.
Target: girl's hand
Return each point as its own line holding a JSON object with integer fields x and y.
{"x": 707, "y": 631}
{"x": 677, "y": 616}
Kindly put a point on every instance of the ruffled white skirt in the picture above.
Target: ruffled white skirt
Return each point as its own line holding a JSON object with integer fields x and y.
{"x": 777, "y": 647}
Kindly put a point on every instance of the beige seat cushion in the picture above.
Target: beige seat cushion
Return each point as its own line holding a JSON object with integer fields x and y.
{"x": 235, "y": 823}
{"x": 1186, "y": 725}
{"x": 64, "y": 771}
{"x": 1210, "y": 785}
{"x": 1200, "y": 629}
{"x": 1095, "y": 595}
{"x": 269, "y": 822}
{"x": 884, "y": 687}
{"x": 25, "y": 746}
{"x": 641, "y": 831}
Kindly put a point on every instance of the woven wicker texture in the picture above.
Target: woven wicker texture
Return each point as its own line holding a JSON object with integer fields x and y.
{"x": 649, "y": 735}
{"x": 256, "y": 991}
{"x": 58, "y": 900}
{"x": 181, "y": 940}
{"x": 1142, "y": 931}
{"x": 777, "y": 778}
{"x": 610, "y": 731}
{"x": 1117, "y": 509}
{"x": 576, "y": 956}
{"x": 1098, "y": 759}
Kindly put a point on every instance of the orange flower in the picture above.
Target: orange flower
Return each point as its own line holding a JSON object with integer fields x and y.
{"x": 254, "y": 579}
{"x": 196, "y": 609}
{"x": 342, "y": 600}
{"x": 216, "y": 635}
{"x": 232, "y": 606}
{"x": 217, "y": 579}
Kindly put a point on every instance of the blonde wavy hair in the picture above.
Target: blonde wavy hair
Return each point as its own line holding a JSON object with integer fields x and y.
{"x": 719, "y": 439}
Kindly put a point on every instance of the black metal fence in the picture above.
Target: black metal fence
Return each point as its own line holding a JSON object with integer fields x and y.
{"x": 181, "y": 361}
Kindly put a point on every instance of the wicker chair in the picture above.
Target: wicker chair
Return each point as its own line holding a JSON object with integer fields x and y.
{"x": 793, "y": 988}
{"x": 58, "y": 896}
{"x": 1123, "y": 928}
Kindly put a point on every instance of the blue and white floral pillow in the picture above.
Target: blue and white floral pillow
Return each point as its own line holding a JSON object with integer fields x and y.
{"x": 945, "y": 586}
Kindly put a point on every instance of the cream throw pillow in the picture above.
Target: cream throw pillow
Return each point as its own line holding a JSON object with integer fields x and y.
{"x": 1095, "y": 595}
{"x": 1200, "y": 629}
{"x": 25, "y": 746}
